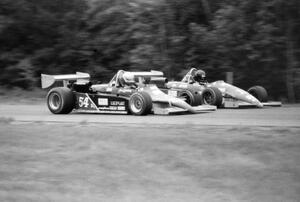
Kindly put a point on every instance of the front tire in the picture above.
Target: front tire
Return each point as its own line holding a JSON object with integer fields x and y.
{"x": 140, "y": 103}
{"x": 212, "y": 96}
{"x": 259, "y": 93}
{"x": 60, "y": 100}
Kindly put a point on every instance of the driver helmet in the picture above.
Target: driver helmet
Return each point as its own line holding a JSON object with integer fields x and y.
{"x": 128, "y": 77}
{"x": 120, "y": 79}
{"x": 200, "y": 76}
{"x": 125, "y": 78}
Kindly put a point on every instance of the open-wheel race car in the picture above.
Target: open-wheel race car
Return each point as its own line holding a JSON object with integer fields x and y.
{"x": 196, "y": 90}
{"x": 127, "y": 93}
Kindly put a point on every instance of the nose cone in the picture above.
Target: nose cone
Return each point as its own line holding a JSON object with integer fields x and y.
{"x": 237, "y": 93}
{"x": 181, "y": 104}
{"x": 258, "y": 104}
{"x": 251, "y": 99}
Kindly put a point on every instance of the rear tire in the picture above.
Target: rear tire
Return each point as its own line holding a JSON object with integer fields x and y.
{"x": 60, "y": 100}
{"x": 259, "y": 93}
{"x": 140, "y": 103}
{"x": 212, "y": 96}
{"x": 187, "y": 96}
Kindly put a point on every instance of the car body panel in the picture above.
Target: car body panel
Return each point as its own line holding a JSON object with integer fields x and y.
{"x": 98, "y": 103}
{"x": 229, "y": 90}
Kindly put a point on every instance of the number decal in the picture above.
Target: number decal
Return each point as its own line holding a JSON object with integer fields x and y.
{"x": 80, "y": 101}
{"x": 83, "y": 102}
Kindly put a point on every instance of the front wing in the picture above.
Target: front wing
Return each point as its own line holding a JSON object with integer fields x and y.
{"x": 165, "y": 109}
{"x": 234, "y": 103}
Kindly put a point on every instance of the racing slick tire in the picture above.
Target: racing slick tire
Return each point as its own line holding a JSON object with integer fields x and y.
{"x": 140, "y": 103}
{"x": 259, "y": 93}
{"x": 60, "y": 100}
{"x": 212, "y": 96}
{"x": 193, "y": 99}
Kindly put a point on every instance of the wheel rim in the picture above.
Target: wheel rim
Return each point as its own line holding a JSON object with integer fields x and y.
{"x": 136, "y": 104}
{"x": 207, "y": 98}
{"x": 54, "y": 101}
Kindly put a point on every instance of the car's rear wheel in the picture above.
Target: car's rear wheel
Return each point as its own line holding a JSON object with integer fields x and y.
{"x": 212, "y": 96}
{"x": 60, "y": 100}
{"x": 140, "y": 103}
{"x": 259, "y": 93}
{"x": 187, "y": 96}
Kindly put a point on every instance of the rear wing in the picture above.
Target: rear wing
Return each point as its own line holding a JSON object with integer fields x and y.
{"x": 126, "y": 77}
{"x": 49, "y": 80}
{"x": 147, "y": 76}
{"x": 152, "y": 73}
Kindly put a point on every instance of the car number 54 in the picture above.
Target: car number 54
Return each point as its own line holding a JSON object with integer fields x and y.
{"x": 83, "y": 102}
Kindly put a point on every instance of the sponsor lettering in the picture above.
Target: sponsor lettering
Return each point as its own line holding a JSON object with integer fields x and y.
{"x": 102, "y": 101}
{"x": 112, "y": 108}
{"x": 121, "y": 108}
{"x": 117, "y": 103}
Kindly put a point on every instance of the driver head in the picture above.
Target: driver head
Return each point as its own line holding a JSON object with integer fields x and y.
{"x": 200, "y": 76}
{"x": 128, "y": 77}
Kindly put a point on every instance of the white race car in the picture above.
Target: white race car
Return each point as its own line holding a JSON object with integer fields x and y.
{"x": 196, "y": 90}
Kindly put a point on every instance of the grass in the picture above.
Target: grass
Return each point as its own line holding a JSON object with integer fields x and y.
{"x": 17, "y": 96}
{"x": 90, "y": 162}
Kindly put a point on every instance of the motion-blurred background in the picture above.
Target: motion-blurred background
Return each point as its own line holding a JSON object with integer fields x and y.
{"x": 258, "y": 41}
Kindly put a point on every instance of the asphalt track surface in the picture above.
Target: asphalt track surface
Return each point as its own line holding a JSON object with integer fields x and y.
{"x": 287, "y": 116}
{"x": 227, "y": 155}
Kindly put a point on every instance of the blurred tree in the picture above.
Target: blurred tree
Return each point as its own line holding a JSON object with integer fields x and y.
{"x": 257, "y": 40}
{"x": 39, "y": 28}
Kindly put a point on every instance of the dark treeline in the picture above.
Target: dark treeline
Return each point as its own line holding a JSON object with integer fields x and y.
{"x": 257, "y": 40}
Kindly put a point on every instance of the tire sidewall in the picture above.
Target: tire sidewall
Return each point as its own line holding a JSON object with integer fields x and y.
{"x": 59, "y": 109}
{"x": 216, "y": 96}
{"x": 187, "y": 93}
{"x": 259, "y": 93}
{"x": 196, "y": 94}
{"x": 67, "y": 100}
{"x": 211, "y": 93}
{"x": 146, "y": 103}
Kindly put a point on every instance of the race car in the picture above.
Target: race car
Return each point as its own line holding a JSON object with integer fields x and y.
{"x": 127, "y": 93}
{"x": 196, "y": 90}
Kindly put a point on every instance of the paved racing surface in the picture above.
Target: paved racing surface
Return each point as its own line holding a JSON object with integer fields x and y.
{"x": 270, "y": 116}
{"x": 227, "y": 155}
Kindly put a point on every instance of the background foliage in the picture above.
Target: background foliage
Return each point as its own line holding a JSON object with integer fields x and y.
{"x": 258, "y": 40}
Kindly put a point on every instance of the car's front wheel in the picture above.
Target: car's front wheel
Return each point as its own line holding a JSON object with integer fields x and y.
{"x": 259, "y": 93}
{"x": 60, "y": 100}
{"x": 212, "y": 96}
{"x": 140, "y": 103}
